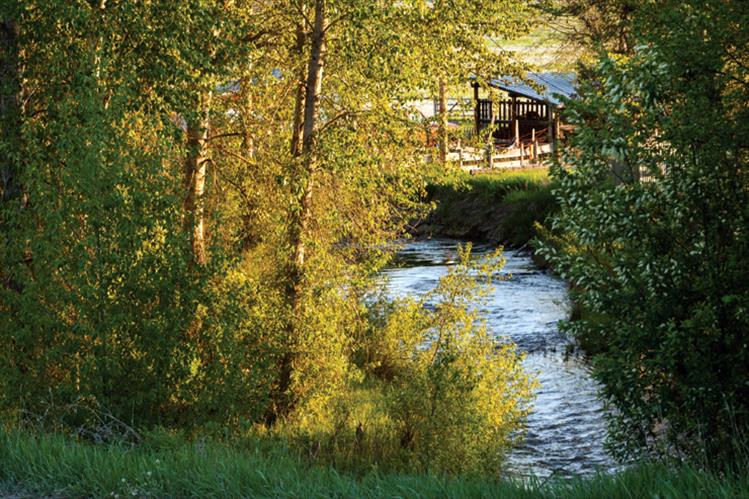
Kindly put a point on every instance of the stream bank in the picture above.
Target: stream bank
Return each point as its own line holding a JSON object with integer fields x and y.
{"x": 497, "y": 208}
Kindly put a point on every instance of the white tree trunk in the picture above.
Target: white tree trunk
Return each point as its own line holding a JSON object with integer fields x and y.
{"x": 298, "y": 124}
{"x": 194, "y": 179}
{"x": 310, "y": 129}
{"x": 282, "y": 399}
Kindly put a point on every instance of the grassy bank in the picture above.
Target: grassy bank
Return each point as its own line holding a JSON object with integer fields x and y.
{"x": 53, "y": 466}
{"x": 500, "y": 207}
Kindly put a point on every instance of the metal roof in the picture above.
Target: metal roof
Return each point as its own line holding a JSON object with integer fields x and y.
{"x": 552, "y": 86}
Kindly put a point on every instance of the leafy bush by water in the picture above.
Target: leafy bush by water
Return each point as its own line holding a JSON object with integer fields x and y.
{"x": 436, "y": 393}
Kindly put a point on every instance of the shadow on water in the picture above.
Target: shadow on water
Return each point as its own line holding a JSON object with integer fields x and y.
{"x": 566, "y": 429}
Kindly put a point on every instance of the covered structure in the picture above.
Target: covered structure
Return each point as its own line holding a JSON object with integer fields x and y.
{"x": 529, "y": 112}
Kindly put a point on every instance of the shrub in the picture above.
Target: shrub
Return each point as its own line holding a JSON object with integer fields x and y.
{"x": 461, "y": 401}
{"x": 438, "y": 393}
{"x": 660, "y": 266}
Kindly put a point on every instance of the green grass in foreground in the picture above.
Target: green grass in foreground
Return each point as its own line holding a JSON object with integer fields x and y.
{"x": 33, "y": 466}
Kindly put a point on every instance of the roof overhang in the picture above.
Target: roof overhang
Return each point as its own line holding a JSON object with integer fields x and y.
{"x": 551, "y": 88}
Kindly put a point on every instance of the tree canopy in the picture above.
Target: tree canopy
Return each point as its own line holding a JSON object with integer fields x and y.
{"x": 196, "y": 197}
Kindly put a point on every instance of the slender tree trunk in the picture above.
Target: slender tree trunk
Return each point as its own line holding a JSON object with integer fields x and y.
{"x": 248, "y": 142}
{"x": 443, "y": 132}
{"x": 99, "y": 42}
{"x": 311, "y": 125}
{"x": 282, "y": 400}
{"x": 10, "y": 109}
{"x": 194, "y": 179}
{"x": 296, "y": 135}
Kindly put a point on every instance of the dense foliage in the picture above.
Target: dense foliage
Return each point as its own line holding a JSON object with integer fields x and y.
{"x": 98, "y": 285}
{"x": 593, "y": 25}
{"x": 653, "y": 229}
{"x": 195, "y": 199}
{"x": 440, "y": 370}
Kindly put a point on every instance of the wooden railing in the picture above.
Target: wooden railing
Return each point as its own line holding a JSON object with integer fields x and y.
{"x": 502, "y": 115}
{"x": 509, "y": 110}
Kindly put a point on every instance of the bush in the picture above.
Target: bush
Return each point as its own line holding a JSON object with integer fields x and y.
{"x": 437, "y": 392}
{"x": 461, "y": 401}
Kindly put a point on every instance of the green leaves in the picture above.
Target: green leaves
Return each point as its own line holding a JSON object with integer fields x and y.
{"x": 110, "y": 307}
{"x": 658, "y": 264}
{"x": 456, "y": 398}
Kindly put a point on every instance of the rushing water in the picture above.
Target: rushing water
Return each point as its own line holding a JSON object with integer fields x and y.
{"x": 566, "y": 429}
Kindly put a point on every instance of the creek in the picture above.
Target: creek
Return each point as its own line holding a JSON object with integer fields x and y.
{"x": 566, "y": 429}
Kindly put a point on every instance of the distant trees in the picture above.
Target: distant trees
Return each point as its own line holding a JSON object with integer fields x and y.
{"x": 457, "y": 39}
{"x": 595, "y": 24}
{"x": 660, "y": 266}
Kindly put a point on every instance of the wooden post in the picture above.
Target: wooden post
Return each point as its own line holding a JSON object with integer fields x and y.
{"x": 521, "y": 154}
{"x": 517, "y": 133}
{"x": 443, "y": 122}
{"x": 533, "y": 142}
{"x": 476, "y": 104}
{"x": 557, "y": 130}
{"x": 550, "y": 123}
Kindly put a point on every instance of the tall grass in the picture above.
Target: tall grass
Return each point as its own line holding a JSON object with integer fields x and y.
{"x": 48, "y": 465}
{"x": 490, "y": 185}
{"x": 52, "y": 465}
